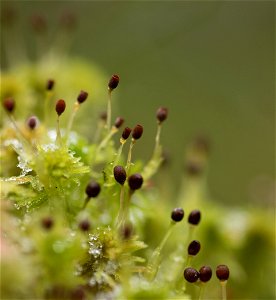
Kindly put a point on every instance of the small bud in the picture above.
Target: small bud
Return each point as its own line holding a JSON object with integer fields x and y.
{"x": 191, "y": 275}
{"x": 126, "y": 133}
{"x": 9, "y": 104}
{"x": 38, "y": 23}
{"x": 201, "y": 144}
{"x": 60, "y": 106}
{"x": 113, "y": 82}
{"x": 82, "y": 96}
{"x": 127, "y": 231}
{"x": 177, "y": 214}
{"x": 50, "y": 84}
{"x": 68, "y": 20}
{"x": 194, "y": 217}
{"x": 205, "y": 273}
{"x": 93, "y": 189}
{"x": 103, "y": 116}
{"x": 135, "y": 181}
{"x": 32, "y": 122}
{"x": 47, "y": 223}
{"x": 119, "y": 174}
{"x": 222, "y": 272}
{"x": 194, "y": 168}
{"x": 137, "y": 131}
{"x": 8, "y": 16}
{"x": 162, "y": 114}
{"x": 194, "y": 248}
{"x": 119, "y": 122}
{"x": 84, "y": 225}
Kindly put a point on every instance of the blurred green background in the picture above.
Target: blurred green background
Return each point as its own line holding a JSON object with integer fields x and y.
{"x": 211, "y": 63}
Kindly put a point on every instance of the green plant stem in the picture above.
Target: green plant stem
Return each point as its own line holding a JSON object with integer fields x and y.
{"x": 223, "y": 289}
{"x": 120, "y": 216}
{"x": 72, "y": 117}
{"x": 201, "y": 291}
{"x": 119, "y": 152}
{"x": 107, "y": 138}
{"x": 156, "y": 159}
{"x": 48, "y": 97}
{"x": 154, "y": 261}
{"x": 85, "y": 202}
{"x": 58, "y": 138}
{"x": 109, "y": 112}
{"x": 128, "y": 164}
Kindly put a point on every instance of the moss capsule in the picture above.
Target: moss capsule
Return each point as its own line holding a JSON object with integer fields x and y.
{"x": 137, "y": 131}
{"x": 191, "y": 275}
{"x": 194, "y": 217}
{"x": 222, "y": 272}
{"x": 135, "y": 181}
{"x": 119, "y": 174}
{"x": 60, "y": 106}
{"x": 162, "y": 114}
{"x": 194, "y": 248}
{"x": 9, "y": 104}
{"x": 92, "y": 189}
{"x": 82, "y": 96}
{"x": 205, "y": 273}
{"x": 177, "y": 214}
{"x": 113, "y": 82}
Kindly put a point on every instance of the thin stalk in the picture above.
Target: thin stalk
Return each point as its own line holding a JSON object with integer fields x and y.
{"x": 157, "y": 139}
{"x": 48, "y": 97}
{"x": 223, "y": 289}
{"x": 58, "y": 138}
{"x": 72, "y": 117}
{"x": 108, "y": 137}
{"x": 129, "y": 156}
{"x": 201, "y": 291}
{"x": 85, "y": 202}
{"x": 18, "y": 131}
{"x": 120, "y": 216}
{"x": 120, "y": 150}
{"x": 154, "y": 261}
{"x": 108, "y": 122}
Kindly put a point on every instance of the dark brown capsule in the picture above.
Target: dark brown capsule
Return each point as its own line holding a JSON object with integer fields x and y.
{"x": 135, "y": 181}
{"x": 82, "y": 96}
{"x": 50, "y": 84}
{"x": 32, "y": 122}
{"x": 177, "y": 214}
{"x": 84, "y": 225}
{"x": 119, "y": 174}
{"x": 68, "y": 20}
{"x": 103, "y": 116}
{"x": 194, "y": 168}
{"x": 205, "y": 273}
{"x": 194, "y": 217}
{"x": 60, "y": 106}
{"x": 194, "y": 248}
{"x": 191, "y": 275}
{"x": 38, "y": 23}
{"x": 201, "y": 144}
{"x": 8, "y": 16}
{"x": 92, "y": 189}
{"x": 127, "y": 231}
{"x": 9, "y": 104}
{"x": 162, "y": 114}
{"x": 113, "y": 82}
{"x": 222, "y": 272}
{"x": 126, "y": 133}
{"x": 119, "y": 122}
{"x": 137, "y": 132}
{"x": 47, "y": 223}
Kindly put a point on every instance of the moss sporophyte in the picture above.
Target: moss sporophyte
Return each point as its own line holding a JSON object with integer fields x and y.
{"x": 90, "y": 219}
{"x": 82, "y": 217}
